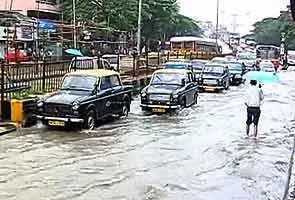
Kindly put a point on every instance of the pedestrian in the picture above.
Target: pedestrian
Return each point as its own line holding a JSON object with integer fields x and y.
{"x": 254, "y": 97}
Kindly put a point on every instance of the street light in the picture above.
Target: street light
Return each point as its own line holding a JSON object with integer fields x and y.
{"x": 139, "y": 26}
{"x": 217, "y": 24}
{"x": 74, "y": 19}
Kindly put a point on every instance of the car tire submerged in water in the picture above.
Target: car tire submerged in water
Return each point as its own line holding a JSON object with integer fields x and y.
{"x": 183, "y": 103}
{"x": 226, "y": 85}
{"x": 125, "y": 108}
{"x": 90, "y": 120}
{"x": 196, "y": 99}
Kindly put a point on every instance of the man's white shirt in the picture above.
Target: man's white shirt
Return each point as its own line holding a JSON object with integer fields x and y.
{"x": 254, "y": 96}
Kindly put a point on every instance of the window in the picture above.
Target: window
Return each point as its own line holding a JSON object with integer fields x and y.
{"x": 189, "y": 45}
{"x": 176, "y": 45}
{"x": 105, "y": 83}
{"x": 115, "y": 81}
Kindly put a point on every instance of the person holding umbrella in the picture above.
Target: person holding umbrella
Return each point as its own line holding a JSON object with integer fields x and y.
{"x": 254, "y": 97}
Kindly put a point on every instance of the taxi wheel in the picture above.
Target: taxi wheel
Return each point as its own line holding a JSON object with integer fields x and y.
{"x": 125, "y": 109}
{"x": 90, "y": 120}
{"x": 196, "y": 99}
{"x": 183, "y": 103}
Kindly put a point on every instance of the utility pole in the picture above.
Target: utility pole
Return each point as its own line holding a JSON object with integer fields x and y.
{"x": 139, "y": 26}
{"x": 11, "y": 4}
{"x": 38, "y": 33}
{"x": 217, "y": 25}
{"x": 74, "y": 19}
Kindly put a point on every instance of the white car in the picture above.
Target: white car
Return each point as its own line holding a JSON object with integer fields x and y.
{"x": 81, "y": 63}
{"x": 267, "y": 67}
{"x": 220, "y": 60}
{"x": 291, "y": 58}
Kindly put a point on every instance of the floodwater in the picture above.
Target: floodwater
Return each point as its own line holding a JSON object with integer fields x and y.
{"x": 200, "y": 153}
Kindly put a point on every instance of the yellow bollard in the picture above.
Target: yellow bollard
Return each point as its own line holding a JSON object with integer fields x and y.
{"x": 17, "y": 112}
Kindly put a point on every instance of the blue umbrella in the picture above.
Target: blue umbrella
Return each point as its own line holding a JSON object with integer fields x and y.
{"x": 265, "y": 77}
{"x": 75, "y": 52}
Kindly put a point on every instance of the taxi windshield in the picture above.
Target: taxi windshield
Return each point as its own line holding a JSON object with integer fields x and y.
{"x": 167, "y": 79}
{"x": 86, "y": 83}
{"x": 213, "y": 70}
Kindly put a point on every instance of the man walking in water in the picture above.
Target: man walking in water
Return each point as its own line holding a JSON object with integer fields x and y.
{"x": 254, "y": 97}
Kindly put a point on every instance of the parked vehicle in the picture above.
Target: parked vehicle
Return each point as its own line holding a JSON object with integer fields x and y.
{"x": 198, "y": 66}
{"x": 214, "y": 77}
{"x": 81, "y": 63}
{"x": 114, "y": 60}
{"x": 220, "y": 60}
{"x": 85, "y": 97}
{"x": 267, "y": 67}
{"x": 16, "y": 55}
{"x": 169, "y": 89}
{"x": 237, "y": 70}
{"x": 291, "y": 58}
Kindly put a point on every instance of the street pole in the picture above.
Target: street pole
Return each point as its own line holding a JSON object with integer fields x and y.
{"x": 217, "y": 25}
{"x": 74, "y": 16}
{"x": 139, "y": 26}
{"x": 11, "y": 4}
{"x": 38, "y": 33}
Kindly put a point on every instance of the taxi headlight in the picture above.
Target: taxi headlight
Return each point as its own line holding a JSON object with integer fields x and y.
{"x": 75, "y": 106}
{"x": 40, "y": 104}
{"x": 175, "y": 96}
{"x": 143, "y": 94}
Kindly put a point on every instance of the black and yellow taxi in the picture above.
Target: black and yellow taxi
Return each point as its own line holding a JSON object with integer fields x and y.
{"x": 85, "y": 97}
{"x": 169, "y": 89}
{"x": 214, "y": 77}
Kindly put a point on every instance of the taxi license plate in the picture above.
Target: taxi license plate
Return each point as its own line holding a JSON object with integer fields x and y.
{"x": 210, "y": 89}
{"x": 56, "y": 123}
{"x": 158, "y": 110}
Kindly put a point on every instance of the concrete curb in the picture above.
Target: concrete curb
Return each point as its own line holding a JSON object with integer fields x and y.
{"x": 6, "y": 128}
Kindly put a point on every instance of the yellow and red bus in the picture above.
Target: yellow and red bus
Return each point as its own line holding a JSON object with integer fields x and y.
{"x": 194, "y": 46}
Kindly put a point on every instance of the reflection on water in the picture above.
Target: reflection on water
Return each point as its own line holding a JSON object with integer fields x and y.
{"x": 198, "y": 153}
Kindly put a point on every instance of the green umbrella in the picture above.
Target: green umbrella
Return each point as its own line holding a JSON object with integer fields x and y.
{"x": 264, "y": 77}
{"x": 74, "y": 52}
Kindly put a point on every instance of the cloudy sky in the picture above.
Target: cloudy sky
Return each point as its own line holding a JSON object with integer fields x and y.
{"x": 243, "y": 13}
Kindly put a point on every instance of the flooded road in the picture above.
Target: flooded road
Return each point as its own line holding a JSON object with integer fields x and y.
{"x": 199, "y": 154}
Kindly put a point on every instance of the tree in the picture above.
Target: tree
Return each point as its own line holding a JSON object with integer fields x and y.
{"x": 160, "y": 18}
{"x": 269, "y": 30}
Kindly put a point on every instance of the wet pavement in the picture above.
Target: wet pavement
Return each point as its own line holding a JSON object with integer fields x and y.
{"x": 198, "y": 154}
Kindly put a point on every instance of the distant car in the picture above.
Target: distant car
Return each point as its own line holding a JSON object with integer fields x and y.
{"x": 85, "y": 97}
{"x": 220, "y": 60}
{"x": 178, "y": 65}
{"x": 81, "y": 63}
{"x": 114, "y": 60}
{"x": 237, "y": 70}
{"x": 169, "y": 89}
{"x": 267, "y": 67}
{"x": 248, "y": 59}
{"x": 291, "y": 58}
{"x": 198, "y": 66}
{"x": 214, "y": 77}
{"x": 230, "y": 58}
{"x": 16, "y": 56}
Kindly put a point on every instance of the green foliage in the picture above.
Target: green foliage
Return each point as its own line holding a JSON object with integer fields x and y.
{"x": 160, "y": 18}
{"x": 269, "y": 30}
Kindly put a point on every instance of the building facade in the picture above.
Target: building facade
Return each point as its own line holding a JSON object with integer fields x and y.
{"x": 46, "y": 9}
